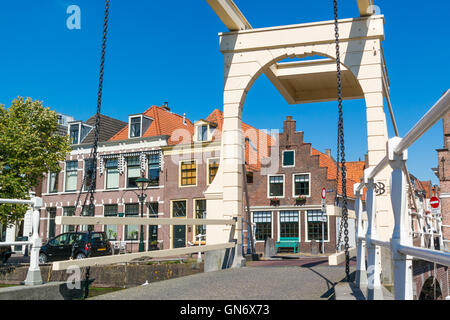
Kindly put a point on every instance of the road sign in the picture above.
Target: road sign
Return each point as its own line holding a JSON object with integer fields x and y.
{"x": 434, "y": 202}
{"x": 323, "y": 193}
{"x": 324, "y": 206}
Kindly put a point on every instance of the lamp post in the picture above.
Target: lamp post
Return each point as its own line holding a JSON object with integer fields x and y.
{"x": 142, "y": 184}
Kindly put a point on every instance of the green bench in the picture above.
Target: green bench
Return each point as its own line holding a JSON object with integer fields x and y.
{"x": 286, "y": 242}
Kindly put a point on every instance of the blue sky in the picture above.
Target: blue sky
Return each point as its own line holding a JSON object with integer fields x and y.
{"x": 168, "y": 51}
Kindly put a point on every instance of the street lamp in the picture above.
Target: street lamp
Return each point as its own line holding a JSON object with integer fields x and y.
{"x": 142, "y": 184}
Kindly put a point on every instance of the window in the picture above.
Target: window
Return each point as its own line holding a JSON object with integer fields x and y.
{"x": 135, "y": 127}
{"x": 202, "y": 133}
{"x": 289, "y": 224}
{"x": 249, "y": 177}
{"x": 51, "y": 222}
{"x": 110, "y": 210}
{"x": 276, "y": 186}
{"x": 200, "y": 213}
{"x": 68, "y": 212}
{"x": 53, "y": 182}
{"x": 74, "y": 133}
{"x": 112, "y": 174}
{"x": 179, "y": 209}
{"x": 263, "y": 221}
{"x": 289, "y": 158}
{"x": 153, "y": 209}
{"x": 213, "y": 167}
{"x": 131, "y": 231}
{"x": 315, "y": 225}
{"x": 133, "y": 171}
{"x": 153, "y": 169}
{"x": 301, "y": 184}
{"x": 188, "y": 173}
{"x": 88, "y": 211}
{"x": 89, "y": 172}
{"x": 71, "y": 175}
{"x": 153, "y": 229}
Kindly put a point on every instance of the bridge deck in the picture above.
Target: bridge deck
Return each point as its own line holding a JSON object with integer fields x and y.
{"x": 311, "y": 281}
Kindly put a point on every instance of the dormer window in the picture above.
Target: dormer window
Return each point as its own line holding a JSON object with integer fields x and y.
{"x": 74, "y": 133}
{"x": 204, "y": 130}
{"x": 135, "y": 127}
{"x": 139, "y": 125}
{"x": 78, "y": 131}
{"x": 202, "y": 133}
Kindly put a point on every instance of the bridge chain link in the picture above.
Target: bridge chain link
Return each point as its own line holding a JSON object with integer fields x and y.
{"x": 341, "y": 144}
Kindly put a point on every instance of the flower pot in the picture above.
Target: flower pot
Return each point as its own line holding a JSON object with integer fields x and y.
{"x": 274, "y": 202}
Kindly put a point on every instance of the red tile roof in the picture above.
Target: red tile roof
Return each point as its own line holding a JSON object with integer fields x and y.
{"x": 355, "y": 171}
{"x": 164, "y": 123}
{"x": 257, "y": 139}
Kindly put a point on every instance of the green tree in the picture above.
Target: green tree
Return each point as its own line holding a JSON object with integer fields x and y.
{"x": 29, "y": 147}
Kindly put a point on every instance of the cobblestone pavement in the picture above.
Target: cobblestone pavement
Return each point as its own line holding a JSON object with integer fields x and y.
{"x": 297, "y": 279}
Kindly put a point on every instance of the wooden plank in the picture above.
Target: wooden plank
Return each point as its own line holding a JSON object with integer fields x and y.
{"x": 365, "y": 7}
{"x": 230, "y": 14}
{"x": 138, "y": 221}
{"x": 120, "y": 258}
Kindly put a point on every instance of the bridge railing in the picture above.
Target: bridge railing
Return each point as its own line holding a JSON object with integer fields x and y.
{"x": 34, "y": 273}
{"x": 401, "y": 243}
{"x": 121, "y": 258}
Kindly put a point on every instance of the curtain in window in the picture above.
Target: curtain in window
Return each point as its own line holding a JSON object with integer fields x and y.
{"x": 112, "y": 174}
{"x": 71, "y": 175}
{"x": 53, "y": 183}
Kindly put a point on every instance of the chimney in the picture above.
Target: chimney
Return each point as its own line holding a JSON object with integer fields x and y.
{"x": 166, "y": 106}
{"x": 184, "y": 118}
{"x": 328, "y": 152}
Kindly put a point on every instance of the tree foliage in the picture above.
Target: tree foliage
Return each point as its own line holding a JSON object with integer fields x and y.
{"x": 29, "y": 147}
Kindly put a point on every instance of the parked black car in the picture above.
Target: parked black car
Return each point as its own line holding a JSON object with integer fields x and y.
{"x": 86, "y": 244}
{"x": 5, "y": 253}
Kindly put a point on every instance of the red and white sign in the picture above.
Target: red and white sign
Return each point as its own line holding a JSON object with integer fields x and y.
{"x": 434, "y": 202}
{"x": 323, "y": 193}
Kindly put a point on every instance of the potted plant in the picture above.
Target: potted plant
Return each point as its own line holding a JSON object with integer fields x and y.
{"x": 134, "y": 234}
{"x": 274, "y": 202}
{"x": 300, "y": 200}
{"x": 154, "y": 245}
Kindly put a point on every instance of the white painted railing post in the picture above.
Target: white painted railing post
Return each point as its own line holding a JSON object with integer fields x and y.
{"x": 374, "y": 290}
{"x": 402, "y": 263}
{"x": 361, "y": 274}
{"x": 34, "y": 273}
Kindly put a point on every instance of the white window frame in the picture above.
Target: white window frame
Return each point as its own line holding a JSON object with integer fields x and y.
{"x": 129, "y": 126}
{"x": 293, "y": 184}
{"x": 194, "y": 216}
{"x": 105, "y": 187}
{"x": 299, "y": 224}
{"x": 126, "y": 174}
{"x": 306, "y": 225}
{"x": 271, "y": 224}
{"x": 282, "y": 159}
{"x": 268, "y": 186}
{"x": 65, "y": 176}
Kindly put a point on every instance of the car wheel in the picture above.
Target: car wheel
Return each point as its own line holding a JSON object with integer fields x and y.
{"x": 80, "y": 256}
{"x": 43, "y": 258}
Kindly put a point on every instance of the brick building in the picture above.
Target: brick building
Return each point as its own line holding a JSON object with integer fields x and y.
{"x": 181, "y": 159}
{"x": 443, "y": 173}
{"x": 286, "y": 202}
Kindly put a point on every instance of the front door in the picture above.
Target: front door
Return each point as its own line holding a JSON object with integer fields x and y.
{"x": 179, "y": 236}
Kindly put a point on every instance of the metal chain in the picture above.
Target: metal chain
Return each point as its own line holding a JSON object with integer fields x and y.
{"x": 341, "y": 140}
